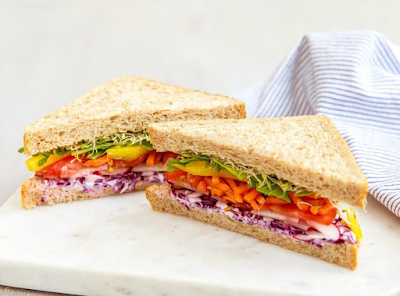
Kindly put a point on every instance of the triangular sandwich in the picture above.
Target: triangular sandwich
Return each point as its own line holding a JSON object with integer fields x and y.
{"x": 287, "y": 181}
{"x": 98, "y": 145}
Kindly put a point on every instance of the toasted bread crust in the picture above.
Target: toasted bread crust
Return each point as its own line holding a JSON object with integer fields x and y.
{"x": 35, "y": 193}
{"x": 343, "y": 255}
{"x": 121, "y": 105}
{"x": 305, "y": 150}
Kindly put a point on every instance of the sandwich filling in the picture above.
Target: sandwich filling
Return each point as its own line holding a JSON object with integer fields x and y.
{"x": 250, "y": 196}
{"x": 120, "y": 162}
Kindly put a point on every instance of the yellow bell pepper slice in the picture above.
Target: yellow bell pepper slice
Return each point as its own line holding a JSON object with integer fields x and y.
{"x": 353, "y": 223}
{"x": 33, "y": 162}
{"x": 199, "y": 168}
{"x": 127, "y": 153}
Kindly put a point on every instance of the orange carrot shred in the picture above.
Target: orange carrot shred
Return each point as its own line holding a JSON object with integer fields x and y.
{"x": 260, "y": 200}
{"x": 208, "y": 181}
{"x": 326, "y": 208}
{"x": 202, "y": 186}
{"x": 97, "y": 162}
{"x": 231, "y": 183}
{"x": 232, "y": 200}
{"x": 215, "y": 180}
{"x": 222, "y": 186}
{"x": 150, "y": 158}
{"x": 314, "y": 210}
{"x": 252, "y": 195}
{"x": 242, "y": 189}
{"x": 238, "y": 197}
{"x": 255, "y": 205}
{"x": 157, "y": 159}
{"x": 217, "y": 192}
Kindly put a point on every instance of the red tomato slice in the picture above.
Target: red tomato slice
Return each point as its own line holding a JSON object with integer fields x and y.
{"x": 64, "y": 168}
{"x": 168, "y": 155}
{"x": 137, "y": 162}
{"x": 292, "y": 210}
{"x": 173, "y": 176}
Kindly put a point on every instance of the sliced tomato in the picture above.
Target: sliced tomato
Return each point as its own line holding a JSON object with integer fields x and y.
{"x": 173, "y": 176}
{"x": 168, "y": 155}
{"x": 137, "y": 162}
{"x": 292, "y": 210}
{"x": 64, "y": 168}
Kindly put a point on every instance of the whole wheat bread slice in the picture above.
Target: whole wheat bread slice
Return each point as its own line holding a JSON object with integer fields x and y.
{"x": 344, "y": 254}
{"x": 34, "y": 192}
{"x": 124, "y": 104}
{"x": 305, "y": 150}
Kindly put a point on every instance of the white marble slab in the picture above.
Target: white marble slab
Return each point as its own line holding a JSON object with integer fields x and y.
{"x": 118, "y": 245}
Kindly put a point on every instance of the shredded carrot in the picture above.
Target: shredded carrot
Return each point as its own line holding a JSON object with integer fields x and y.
{"x": 215, "y": 180}
{"x": 150, "y": 158}
{"x": 209, "y": 182}
{"x": 238, "y": 193}
{"x": 202, "y": 186}
{"x": 242, "y": 188}
{"x": 215, "y": 191}
{"x": 231, "y": 183}
{"x": 260, "y": 200}
{"x": 252, "y": 195}
{"x": 238, "y": 197}
{"x": 232, "y": 200}
{"x": 222, "y": 186}
{"x": 326, "y": 208}
{"x": 255, "y": 205}
{"x": 314, "y": 210}
{"x": 158, "y": 157}
{"x": 96, "y": 162}
{"x": 230, "y": 193}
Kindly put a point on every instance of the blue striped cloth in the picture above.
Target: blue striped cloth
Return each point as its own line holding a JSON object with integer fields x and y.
{"x": 354, "y": 77}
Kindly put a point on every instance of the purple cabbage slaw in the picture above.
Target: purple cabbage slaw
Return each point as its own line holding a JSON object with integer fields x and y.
{"x": 195, "y": 200}
{"x": 119, "y": 182}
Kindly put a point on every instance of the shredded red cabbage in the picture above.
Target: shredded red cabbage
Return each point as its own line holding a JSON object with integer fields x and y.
{"x": 119, "y": 183}
{"x": 195, "y": 200}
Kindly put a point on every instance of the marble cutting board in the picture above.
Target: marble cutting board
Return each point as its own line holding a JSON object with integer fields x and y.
{"x": 119, "y": 246}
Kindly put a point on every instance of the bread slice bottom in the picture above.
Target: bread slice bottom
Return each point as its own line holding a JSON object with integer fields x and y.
{"x": 34, "y": 192}
{"x": 344, "y": 254}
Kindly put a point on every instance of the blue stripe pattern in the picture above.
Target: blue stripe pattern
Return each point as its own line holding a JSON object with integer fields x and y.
{"x": 354, "y": 77}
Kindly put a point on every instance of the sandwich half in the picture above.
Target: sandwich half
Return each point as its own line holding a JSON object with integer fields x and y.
{"x": 288, "y": 181}
{"x": 97, "y": 145}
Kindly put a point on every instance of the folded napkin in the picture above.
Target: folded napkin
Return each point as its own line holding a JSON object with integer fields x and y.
{"x": 354, "y": 77}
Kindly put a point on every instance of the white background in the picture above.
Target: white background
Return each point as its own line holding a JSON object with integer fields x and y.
{"x": 53, "y": 51}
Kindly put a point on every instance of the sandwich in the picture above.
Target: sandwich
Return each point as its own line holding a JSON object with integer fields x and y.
{"x": 287, "y": 181}
{"x": 97, "y": 145}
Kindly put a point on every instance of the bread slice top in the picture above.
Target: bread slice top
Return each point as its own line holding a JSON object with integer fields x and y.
{"x": 124, "y": 104}
{"x": 305, "y": 150}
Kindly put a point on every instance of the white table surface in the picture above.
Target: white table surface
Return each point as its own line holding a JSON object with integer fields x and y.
{"x": 120, "y": 246}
